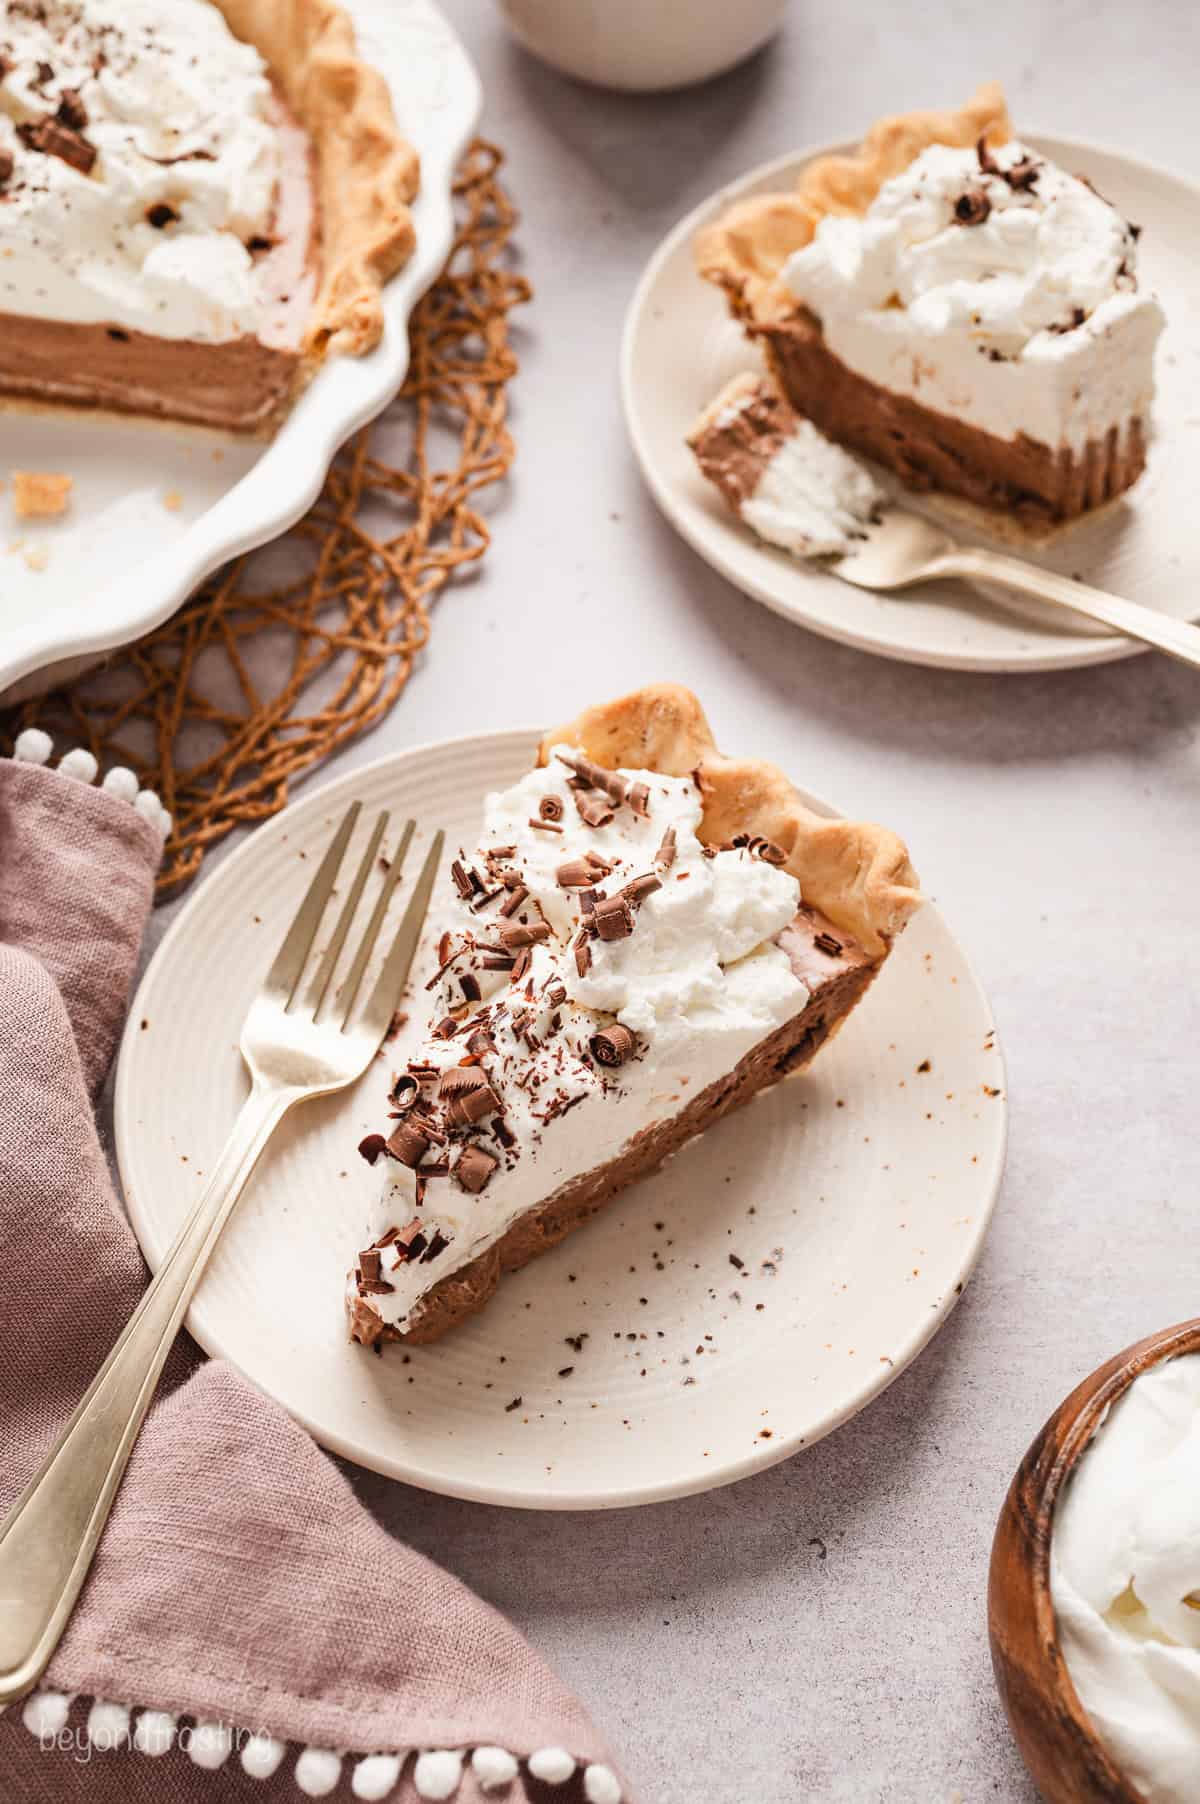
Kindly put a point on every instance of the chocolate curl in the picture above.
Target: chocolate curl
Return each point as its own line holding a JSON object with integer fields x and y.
{"x": 372, "y": 1146}
{"x": 521, "y": 935}
{"x": 613, "y": 1045}
{"x": 474, "y": 1168}
{"x": 408, "y": 1144}
{"x": 613, "y": 918}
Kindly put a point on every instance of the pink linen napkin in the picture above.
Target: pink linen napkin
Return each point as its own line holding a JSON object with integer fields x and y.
{"x": 247, "y": 1630}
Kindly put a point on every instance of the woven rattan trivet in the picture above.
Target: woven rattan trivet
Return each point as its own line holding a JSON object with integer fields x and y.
{"x": 287, "y": 654}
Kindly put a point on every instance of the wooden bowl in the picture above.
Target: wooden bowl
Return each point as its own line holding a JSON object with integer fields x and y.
{"x": 1066, "y": 1758}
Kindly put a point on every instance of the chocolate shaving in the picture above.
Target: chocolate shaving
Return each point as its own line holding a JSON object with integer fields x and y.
{"x": 462, "y": 882}
{"x": 522, "y": 963}
{"x": 987, "y": 162}
{"x": 825, "y": 942}
{"x": 408, "y": 1143}
{"x": 55, "y": 140}
{"x": 369, "y": 1264}
{"x": 376, "y": 1287}
{"x": 504, "y": 1133}
{"x": 594, "y": 809}
{"x": 497, "y": 961}
{"x": 472, "y": 1105}
{"x": 459, "y": 1079}
{"x": 638, "y": 888}
{"x": 768, "y": 851}
{"x": 515, "y": 900}
{"x": 972, "y": 208}
{"x": 576, "y": 873}
{"x": 639, "y": 798}
{"x": 372, "y": 1146}
{"x": 544, "y": 826}
{"x": 446, "y": 1028}
{"x": 71, "y": 111}
{"x": 7, "y": 165}
{"x": 583, "y": 955}
{"x": 1022, "y": 177}
{"x": 551, "y": 808}
{"x": 613, "y": 1045}
{"x": 474, "y": 1168}
{"x": 480, "y": 1042}
{"x": 666, "y": 851}
{"x": 470, "y": 987}
{"x": 614, "y": 918}
{"x": 436, "y": 1247}
{"x": 522, "y": 934}
{"x": 595, "y": 776}
{"x": 405, "y": 1092}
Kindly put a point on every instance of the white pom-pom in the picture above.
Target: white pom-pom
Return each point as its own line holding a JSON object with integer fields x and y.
{"x": 154, "y": 1732}
{"x": 493, "y": 1767}
{"x": 166, "y": 823}
{"x": 33, "y": 746}
{"x": 121, "y": 782}
{"x": 601, "y": 1785}
{"x": 107, "y": 1725}
{"x": 209, "y": 1745}
{"x": 553, "y": 1766}
{"x": 437, "y": 1773}
{"x": 375, "y": 1775}
{"x": 261, "y": 1756}
{"x": 317, "y": 1772}
{"x": 80, "y": 765}
{"x": 148, "y": 805}
{"x": 45, "y": 1713}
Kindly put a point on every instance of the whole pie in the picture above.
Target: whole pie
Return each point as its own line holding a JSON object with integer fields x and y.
{"x": 956, "y": 307}
{"x": 645, "y": 935}
{"x": 199, "y": 201}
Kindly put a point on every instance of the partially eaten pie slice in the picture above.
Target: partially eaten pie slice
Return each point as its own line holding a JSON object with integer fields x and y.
{"x": 645, "y": 935}
{"x": 955, "y": 306}
{"x": 199, "y": 201}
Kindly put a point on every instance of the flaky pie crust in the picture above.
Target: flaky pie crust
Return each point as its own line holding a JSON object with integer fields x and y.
{"x": 744, "y": 251}
{"x": 366, "y": 173}
{"x": 856, "y": 873}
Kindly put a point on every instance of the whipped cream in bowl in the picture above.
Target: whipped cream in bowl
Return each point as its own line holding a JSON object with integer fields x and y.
{"x": 1094, "y": 1592}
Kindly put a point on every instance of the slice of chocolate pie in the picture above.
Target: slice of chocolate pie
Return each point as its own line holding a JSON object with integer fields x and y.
{"x": 645, "y": 935}
{"x": 790, "y": 484}
{"x": 199, "y": 200}
{"x": 955, "y": 306}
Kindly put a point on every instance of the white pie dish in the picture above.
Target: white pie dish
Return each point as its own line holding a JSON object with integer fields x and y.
{"x": 875, "y": 1174}
{"x": 156, "y": 507}
{"x": 680, "y": 347}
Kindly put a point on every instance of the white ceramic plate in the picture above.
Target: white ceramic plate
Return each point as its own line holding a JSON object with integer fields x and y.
{"x": 856, "y": 1198}
{"x": 680, "y": 347}
{"x": 156, "y": 508}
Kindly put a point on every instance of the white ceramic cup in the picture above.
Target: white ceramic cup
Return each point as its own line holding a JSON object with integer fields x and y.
{"x": 641, "y": 45}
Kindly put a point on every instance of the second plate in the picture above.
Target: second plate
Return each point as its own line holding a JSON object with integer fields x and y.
{"x": 680, "y": 346}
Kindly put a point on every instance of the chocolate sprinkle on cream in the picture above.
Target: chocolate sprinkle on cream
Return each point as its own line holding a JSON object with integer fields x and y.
{"x": 614, "y": 918}
{"x": 71, "y": 111}
{"x": 474, "y": 1168}
{"x": 408, "y": 1144}
{"x": 521, "y": 934}
{"x": 825, "y": 942}
{"x": 55, "y": 140}
{"x": 972, "y": 208}
{"x": 550, "y": 808}
{"x": 6, "y": 169}
{"x": 613, "y": 1045}
{"x": 666, "y": 851}
{"x": 638, "y": 888}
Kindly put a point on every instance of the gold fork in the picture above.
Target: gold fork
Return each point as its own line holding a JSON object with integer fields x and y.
{"x": 901, "y": 549}
{"x": 293, "y": 1049}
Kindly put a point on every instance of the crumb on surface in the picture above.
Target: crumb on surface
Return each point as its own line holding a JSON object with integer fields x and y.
{"x": 40, "y": 494}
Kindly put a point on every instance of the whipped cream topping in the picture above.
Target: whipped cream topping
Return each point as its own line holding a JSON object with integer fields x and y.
{"x": 982, "y": 282}
{"x": 812, "y": 498}
{"x": 573, "y": 1041}
{"x": 1125, "y": 1579}
{"x": 147, "y": 170}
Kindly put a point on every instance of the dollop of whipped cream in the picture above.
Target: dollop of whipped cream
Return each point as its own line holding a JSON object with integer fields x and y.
{"x": 812, "y": 498}
{"x": 1125, "y": 1579}
{"x": 582, "y": 1040}
{"x": 150, "y": 170}
{"x": 1003, "y": 245}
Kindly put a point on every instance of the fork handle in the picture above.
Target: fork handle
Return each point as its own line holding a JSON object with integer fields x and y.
{"x": 50, "y": 1535}
{"x": 1178, "y": 638}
